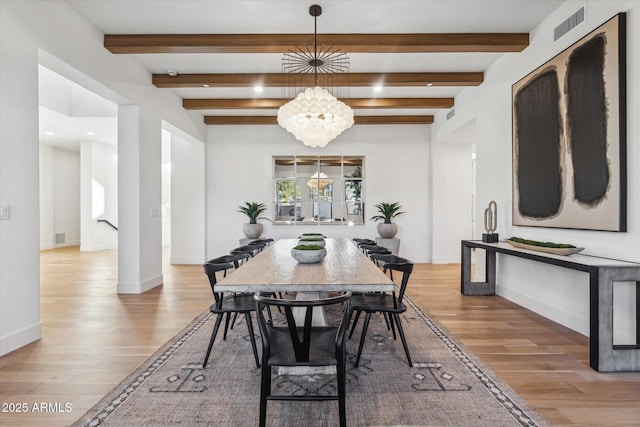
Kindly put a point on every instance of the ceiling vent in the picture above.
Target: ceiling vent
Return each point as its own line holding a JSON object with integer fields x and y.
{"x": 451, "y": 113}
{"x": 569, "y": 24}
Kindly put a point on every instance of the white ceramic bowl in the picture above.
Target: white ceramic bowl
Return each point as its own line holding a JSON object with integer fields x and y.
{"x": 309, "y": 256}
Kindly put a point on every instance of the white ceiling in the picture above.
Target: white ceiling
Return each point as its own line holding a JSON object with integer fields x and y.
{"x": 292, "y": 16}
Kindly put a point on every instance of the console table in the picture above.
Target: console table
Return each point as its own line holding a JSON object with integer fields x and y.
{"x": 604, "y": 356}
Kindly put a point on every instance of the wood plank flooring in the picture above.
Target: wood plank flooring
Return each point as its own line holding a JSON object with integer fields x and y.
{"x": 93, "y": 338}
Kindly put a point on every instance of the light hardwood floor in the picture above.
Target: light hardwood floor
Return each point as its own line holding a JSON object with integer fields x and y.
{"x": 93, "y": 338}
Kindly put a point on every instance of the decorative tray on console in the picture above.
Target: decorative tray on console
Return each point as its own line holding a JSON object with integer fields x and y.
{"x": 548, "y": 247}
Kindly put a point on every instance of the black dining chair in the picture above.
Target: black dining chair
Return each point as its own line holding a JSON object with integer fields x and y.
{"x": 374, "y": 249}
{"x": 258, "y": 245}
{"x": 388, "y": 304}
{"x": 285, "y": 343}
{"x": 236, "y": 259}
{"x": 364, "y": 241}
{"x": 267, "y": 242}
{"x": 225, "y": 305}
{"x": 246, "y": 249}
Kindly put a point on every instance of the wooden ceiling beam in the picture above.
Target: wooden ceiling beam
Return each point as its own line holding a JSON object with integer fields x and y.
{"x": 273, "y": 103}
{"x": 307, "y": 80}
{"x": 359, "y": 120}
{"x": 350, "y": 43}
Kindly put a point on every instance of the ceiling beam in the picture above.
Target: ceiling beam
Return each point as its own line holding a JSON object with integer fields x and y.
{"x": 307, "y": 80}
{"x": 350, "y": 43}
{"x": 273, "y": 103}
{"x": 359, "y": 120}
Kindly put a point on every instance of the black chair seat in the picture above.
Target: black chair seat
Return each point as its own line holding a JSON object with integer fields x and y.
{"x": 238, "y": 303}
{"x": 321, "y": 349}
{"x": 373, "y": 302}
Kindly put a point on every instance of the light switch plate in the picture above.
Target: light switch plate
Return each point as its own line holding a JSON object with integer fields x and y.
{"x": 4, "y": 212}
{"x": 153, "y": 213}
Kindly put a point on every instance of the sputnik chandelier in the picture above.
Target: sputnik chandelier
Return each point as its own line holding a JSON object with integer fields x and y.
{"x": 315, "y": 116}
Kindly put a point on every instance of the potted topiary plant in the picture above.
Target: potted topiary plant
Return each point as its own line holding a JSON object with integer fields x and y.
{"x": 387, "y": 211}
{"x": 252, "y": 229}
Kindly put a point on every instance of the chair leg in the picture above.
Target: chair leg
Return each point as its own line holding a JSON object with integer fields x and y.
{"x": 247, "y": 317}
{"x": 355, "y": 321}
{"x": 342, "y": 406}
{"x": 213, "y": 338}
{"x": 265, "y": 391}
{"x": 389, "y": 317}
{"x": 367, "y": 317}
{"x": 226, "y": 326}
{"x": 404, "y": 340}
{"x": 233, "y": 321}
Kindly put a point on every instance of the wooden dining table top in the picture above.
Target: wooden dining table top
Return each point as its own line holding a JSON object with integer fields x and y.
{"x": 345, "y": 268}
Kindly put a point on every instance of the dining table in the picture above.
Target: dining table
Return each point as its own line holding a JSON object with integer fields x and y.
{"x": 274, "y": 270}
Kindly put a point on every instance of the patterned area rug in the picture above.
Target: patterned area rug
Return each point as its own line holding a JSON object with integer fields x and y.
{"x": 447, "y": 386}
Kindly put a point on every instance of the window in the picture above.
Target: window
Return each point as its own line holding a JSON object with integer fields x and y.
{"x": 318, "y": 190}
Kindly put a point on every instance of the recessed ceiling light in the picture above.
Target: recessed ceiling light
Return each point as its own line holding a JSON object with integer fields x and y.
{"x": 90, "y": 133}
{"x": 377, "y": 88}
{"x": 258, "y": 88}
{"x": 205, "y": 85}
{"x": 429, "y": 84}
{"x": 171, "y": 72}
{"x": 50, "y": 133}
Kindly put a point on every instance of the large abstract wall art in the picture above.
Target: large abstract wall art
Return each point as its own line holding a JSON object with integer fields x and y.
{"x": 569, "y": 136}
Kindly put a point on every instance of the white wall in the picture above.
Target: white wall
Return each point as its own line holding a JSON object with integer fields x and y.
{"x": 452, "y": 186}
{"x": 239, "y": 168}
{"x": 187, "y": 201}
{"x": 73, "y": 48}
{"x": 47, "y": 235}
{"x": 556, "y": 293}
{"x": 66, "y": 195}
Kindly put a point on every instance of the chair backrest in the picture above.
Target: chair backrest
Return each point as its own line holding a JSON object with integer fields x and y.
{"x": 406, "y": 268}
{"x": 364, "y": 241}
{"x": 257, "y": 244}
{"x": 265, "y": 241}
{"x": 251, "y": 250}
{"x": 237, "y": 260}
{"x": 301, "y": 344}
{"x": 210, "y": 269}
{"x": 366, "y": 247}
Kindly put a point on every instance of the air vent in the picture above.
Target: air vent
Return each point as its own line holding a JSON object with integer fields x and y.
{"x": 61, "y": 238}
{"x": 568, "y": 24}
{"x": 451, "y": 113}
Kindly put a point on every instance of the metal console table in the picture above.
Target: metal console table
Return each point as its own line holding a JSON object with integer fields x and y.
{"x": 604, "y": 356}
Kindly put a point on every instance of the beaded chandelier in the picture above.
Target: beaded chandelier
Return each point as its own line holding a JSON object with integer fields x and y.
{"x": 315, "y": 117}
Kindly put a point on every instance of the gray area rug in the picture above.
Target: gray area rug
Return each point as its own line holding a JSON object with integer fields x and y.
{"x": 447, "y": 386}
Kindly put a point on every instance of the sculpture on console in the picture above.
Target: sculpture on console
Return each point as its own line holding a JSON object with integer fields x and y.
{"x": 490, "y": 223}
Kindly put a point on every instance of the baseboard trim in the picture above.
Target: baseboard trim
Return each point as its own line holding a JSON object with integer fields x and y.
{"x": 20, "y": 338}
{"x": 446, "y": 260}
{"x": 187, "y": 261}
{"x": 139, "y": 288}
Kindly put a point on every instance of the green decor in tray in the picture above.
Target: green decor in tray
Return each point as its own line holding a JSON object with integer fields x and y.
{"x": 548, "y": 247}
{"x": 308, "y": 247}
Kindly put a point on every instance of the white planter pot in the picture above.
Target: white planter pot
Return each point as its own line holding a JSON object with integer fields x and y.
{"x": 252, "y": 231}
{"x": 387, "y": 231}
